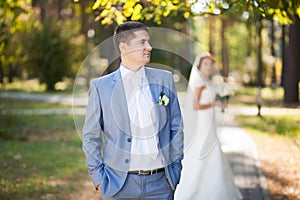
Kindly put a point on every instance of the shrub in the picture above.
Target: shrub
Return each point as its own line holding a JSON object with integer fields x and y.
{"x": 49, "y": 53}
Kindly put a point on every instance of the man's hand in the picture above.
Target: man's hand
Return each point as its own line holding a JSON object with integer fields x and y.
{"x": 98, "y": 186}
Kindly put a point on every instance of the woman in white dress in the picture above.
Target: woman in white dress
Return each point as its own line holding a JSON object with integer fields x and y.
{"x": 206, "y": 175}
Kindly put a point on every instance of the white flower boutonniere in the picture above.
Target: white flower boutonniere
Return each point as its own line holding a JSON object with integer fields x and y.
{"x": 163, "y": 99}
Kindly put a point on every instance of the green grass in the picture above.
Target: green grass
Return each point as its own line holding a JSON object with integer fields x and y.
{"x": 34, "y": 86}
{"x": 247, "y": 96}
{"x": 245, "y": 91}
{"x": 286, "y": 125}
{"x": 7, "y": 104}
{"x": 37, "y": 128}
{"x": 30, "y": 85}
{"x": 46, "y": 160}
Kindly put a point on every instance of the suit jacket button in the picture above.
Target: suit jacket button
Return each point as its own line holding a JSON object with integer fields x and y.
{"x": 126, "y": 161}
{"x": 128, "y": 139}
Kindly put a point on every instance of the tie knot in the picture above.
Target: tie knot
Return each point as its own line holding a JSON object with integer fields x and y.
{"x": 137, "y": 80}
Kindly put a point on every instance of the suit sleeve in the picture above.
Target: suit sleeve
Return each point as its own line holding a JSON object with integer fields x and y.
{"x": 176, "y": 125}
{"x": 92, "y": 136}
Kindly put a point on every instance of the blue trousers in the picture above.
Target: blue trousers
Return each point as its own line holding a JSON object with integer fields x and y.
{"x": 137, "y": 187}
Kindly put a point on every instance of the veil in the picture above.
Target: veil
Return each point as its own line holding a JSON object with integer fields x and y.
{"x": 191, "y": 117}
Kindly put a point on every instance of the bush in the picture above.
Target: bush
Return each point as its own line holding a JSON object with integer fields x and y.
{"x": 49, "y": 53}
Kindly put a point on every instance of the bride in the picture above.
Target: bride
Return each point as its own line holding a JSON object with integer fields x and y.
{"x": 206, "y": 175}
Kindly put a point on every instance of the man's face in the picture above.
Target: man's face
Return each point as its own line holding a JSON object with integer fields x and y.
{"x": 138, "y": 49}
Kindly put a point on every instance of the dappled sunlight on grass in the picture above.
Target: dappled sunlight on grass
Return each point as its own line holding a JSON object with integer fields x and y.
{"x": 245, "y": 96}
{"x": 34, "y": 85}
{"x": 38, "y": 128}
{"x": 39, "y": 171}
{"x": 271, "y": 94}
{"x": 40, "y": 157}
{"x": 30, "y": 85}
{"x": 9, "y": 104}
{"x": 288, "y": 125}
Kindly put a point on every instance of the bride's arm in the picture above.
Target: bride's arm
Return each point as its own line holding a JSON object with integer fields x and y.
{"x": 197, "y": 105}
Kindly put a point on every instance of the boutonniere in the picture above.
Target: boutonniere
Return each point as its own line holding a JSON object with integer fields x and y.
{"x": 163, "y": 99}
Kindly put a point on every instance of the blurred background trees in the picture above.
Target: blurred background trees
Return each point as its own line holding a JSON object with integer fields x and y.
{"x": 261, "y": 17}
{"x": 41, "y": 39}
{"x": 255, "y": 41}
{"x": 49, "y": 55}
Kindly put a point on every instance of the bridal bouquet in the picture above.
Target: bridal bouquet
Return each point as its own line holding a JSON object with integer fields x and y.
{"x": 223, "y": 90}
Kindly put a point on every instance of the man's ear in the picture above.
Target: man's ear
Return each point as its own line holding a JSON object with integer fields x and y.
{"x": 122, "y": 46}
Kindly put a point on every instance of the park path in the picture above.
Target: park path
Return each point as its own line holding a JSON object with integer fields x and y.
{"x": 241, "y": 152}
{"x": 238, "y": 146}
{"x": 79, "y": 103}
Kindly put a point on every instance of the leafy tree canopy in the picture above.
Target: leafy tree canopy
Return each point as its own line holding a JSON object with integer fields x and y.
{"x": 13, "y": 16}
{"x": 109, "y": 11}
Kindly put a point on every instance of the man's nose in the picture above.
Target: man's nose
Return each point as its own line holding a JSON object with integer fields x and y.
{"x": 148, "y": 46}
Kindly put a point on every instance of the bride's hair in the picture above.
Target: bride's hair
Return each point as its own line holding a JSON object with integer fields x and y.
{"x": 206, "y": 55}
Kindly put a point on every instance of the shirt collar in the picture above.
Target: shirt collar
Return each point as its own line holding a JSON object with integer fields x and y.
{"x": 129, "y": 74}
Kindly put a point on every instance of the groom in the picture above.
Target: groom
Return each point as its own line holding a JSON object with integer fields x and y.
{"x": 133, "y": 131}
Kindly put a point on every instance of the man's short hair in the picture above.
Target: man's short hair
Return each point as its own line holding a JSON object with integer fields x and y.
{"x": 125, "y": 32}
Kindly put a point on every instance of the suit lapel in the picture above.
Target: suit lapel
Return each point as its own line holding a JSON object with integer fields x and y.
{"x": 160, "y": 111}
{"x": 119, "y": 104}
{"x": 153, "y": 84}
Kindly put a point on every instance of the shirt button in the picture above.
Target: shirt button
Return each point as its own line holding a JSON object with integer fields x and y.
{"x": 126, "y": 161}
{"x": 128, "y": 139}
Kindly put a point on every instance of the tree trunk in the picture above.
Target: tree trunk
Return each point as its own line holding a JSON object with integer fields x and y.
{"x": 1, "y": 73}
{"x": 291, "y": 70}
{"x": 259, "y": 55}
{"x": 43, "y": 10}
{"x": 273, "y": 78}
{"x": 224, "y": 50}
{"x": 59, "y": 7}
{"x": 260, "y": 67}
{"x": 84, "y": 18}
{"x": 249, "y": 41}
{"x": 10, "y": 73}
{"x": 283, "y": 51}
{"x": 211, "y": 23}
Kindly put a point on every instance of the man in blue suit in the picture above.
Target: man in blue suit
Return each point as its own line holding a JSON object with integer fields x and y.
{"x": 133, "y": 131}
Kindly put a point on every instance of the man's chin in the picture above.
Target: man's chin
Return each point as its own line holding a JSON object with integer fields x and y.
{"x": 147, "y": 60}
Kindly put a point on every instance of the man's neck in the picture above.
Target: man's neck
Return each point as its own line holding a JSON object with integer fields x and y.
{"x": 132, "y": 66}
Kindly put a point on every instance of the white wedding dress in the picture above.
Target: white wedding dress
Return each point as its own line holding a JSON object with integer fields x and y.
{"x": 206, "y": 175}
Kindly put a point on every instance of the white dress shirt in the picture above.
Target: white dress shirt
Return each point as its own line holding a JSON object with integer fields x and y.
{"x": 143, "y": 123}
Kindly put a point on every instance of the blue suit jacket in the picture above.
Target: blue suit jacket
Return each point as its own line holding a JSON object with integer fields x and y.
{"x": 107, "y": 136}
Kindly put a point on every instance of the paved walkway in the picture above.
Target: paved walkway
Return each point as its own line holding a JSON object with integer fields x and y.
{"x": 241, "y": 152}
{"x": 237, "y": 144}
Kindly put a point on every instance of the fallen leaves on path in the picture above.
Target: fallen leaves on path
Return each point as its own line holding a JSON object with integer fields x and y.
{"x": 280, "y": 160}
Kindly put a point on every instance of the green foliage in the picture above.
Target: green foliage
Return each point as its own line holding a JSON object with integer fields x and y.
{"x": 120, "y": 10}
{"x": 11, "y": 23}
{"x": 237, "y": 52}
{"x": 9, "y": 13}
{"x": 49, "y": 53}
{"x": 288, "y": 125}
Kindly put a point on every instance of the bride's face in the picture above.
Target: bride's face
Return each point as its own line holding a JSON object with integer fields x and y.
{"x": 206, "y": 67}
